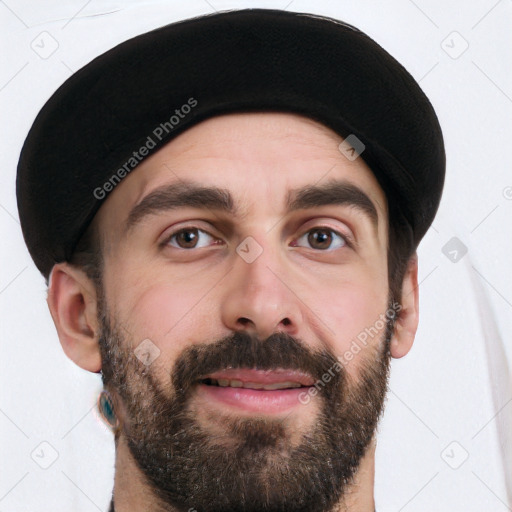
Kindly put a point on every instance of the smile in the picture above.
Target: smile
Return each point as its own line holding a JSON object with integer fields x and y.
{"x": 255, "y": 391}
{"x": 235, "y": 383}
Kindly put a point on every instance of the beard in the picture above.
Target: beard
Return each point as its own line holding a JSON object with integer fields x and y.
{"x": 253, "y": 465}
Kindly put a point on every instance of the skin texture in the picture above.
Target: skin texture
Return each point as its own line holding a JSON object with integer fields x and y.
{"x": 299, "y": 304}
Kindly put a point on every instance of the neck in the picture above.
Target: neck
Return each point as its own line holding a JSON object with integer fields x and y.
{"x": 133, "y": 494}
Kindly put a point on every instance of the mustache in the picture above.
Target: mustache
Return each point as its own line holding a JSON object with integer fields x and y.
{"x": 245, "y": 350}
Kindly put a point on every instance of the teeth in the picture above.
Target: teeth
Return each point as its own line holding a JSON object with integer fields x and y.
{"x": 282, "y": 385}
{"x": 234, "y": 383}
{"x": 253, "y": 385}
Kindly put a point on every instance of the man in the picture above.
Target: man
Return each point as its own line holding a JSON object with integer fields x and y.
{"x": 226, "y": 211}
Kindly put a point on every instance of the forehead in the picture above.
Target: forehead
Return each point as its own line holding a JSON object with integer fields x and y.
{"x": 258, "y": 157}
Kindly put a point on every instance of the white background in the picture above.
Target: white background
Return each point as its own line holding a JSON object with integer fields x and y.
{"x": 450, "y": 397}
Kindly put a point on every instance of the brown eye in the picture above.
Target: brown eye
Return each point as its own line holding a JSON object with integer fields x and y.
{"x": 187, "y": 238}
{"x": 321, "y": 238}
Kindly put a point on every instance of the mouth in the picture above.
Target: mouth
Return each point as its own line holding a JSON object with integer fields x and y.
{"x": 235, "y": 383}
{"x": 255, "y": 391}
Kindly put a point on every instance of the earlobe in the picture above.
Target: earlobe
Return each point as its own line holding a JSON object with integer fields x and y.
{"x": 73, "y": 305}
{"x": 407, "y": 323}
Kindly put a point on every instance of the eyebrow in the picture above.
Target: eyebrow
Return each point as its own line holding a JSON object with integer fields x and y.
{"x": 193, "y": 195}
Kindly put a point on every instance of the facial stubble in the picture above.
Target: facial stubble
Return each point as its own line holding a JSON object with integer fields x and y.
{"x": 253, "y": 466}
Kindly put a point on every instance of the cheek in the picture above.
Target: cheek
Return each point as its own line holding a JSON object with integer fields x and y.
{"x": 170, "y": 317}
{"x": 355, "y": 313}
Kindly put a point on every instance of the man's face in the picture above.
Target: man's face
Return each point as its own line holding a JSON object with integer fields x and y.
{"x": 250, "y": 285}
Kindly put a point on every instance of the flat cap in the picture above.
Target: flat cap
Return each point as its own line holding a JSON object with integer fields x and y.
{"x": 130, "y": 101}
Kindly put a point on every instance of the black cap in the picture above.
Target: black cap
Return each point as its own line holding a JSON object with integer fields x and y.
{"x": 147, "y": 90}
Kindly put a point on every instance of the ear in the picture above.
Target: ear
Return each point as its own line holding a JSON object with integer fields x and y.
{"x": 73, "y": 305}
{"x": 407, "y": 322}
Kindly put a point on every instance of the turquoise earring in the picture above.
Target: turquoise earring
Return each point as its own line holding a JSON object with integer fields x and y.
{"x": 106, "y": 408}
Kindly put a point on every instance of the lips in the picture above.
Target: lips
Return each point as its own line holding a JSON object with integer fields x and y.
{"x": 252, "y": 391}
{"x": 258, "y": 379}
{"x": 235, "y": 383}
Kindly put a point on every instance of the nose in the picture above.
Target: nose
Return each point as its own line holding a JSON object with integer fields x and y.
{"x": 258, "y": 297}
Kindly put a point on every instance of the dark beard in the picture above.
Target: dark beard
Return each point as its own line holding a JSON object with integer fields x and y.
{"x": 253, "y": 467}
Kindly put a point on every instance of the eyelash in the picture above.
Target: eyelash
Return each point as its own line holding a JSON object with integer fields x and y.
{"x": 346, "y": 240}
